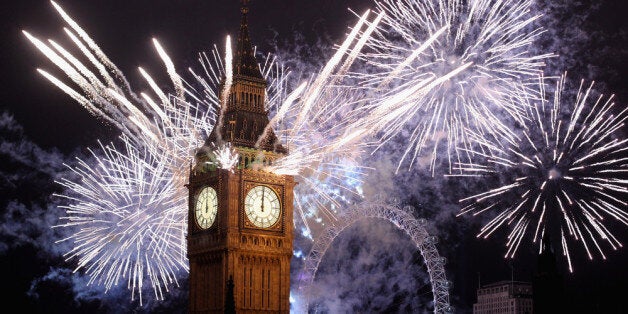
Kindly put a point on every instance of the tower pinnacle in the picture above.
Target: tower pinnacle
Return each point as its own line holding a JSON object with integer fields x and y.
{"x": 244, "y": 63}
{"x": 244, "y": 117}
{"x": 245, "y": 6}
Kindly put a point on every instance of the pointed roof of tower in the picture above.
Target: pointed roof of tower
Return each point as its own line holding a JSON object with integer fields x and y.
{"x": 243, "y": 118}
{"x": 546, "y": 261}
{"x": 244, "y": 62}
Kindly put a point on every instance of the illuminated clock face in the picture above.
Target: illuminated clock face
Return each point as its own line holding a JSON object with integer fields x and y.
{"x": 206, "y": 207}
{"x": 262, "y": 206}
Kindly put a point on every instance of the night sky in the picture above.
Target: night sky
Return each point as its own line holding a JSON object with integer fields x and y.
{"x": 41, "y": 128}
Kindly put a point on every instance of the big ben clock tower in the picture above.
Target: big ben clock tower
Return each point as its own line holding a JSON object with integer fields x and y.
{"x": 240, "y": 220}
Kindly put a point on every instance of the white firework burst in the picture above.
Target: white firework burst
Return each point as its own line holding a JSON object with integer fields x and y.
{"x": 565, "y": 174}
{"x": 125, "y": 209}
{"x": 456, "y": 61}
{"x": 161, "y": 132}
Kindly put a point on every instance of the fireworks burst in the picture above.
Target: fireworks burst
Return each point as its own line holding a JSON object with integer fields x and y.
{"x": 565, "y": 173}
{"x": 313, "y": 121}
{"x": 457, "y": 61}
{"x": 126, "y": 211}
{"x": 318, "y": 120}
{"x": 162, "y": 132}
{"x": 113, "y": 199}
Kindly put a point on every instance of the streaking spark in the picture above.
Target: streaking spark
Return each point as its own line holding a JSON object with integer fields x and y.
{"x": 312, "y": 122}
{"x": 456, "y": 61}
{"x": 565, "y": 174}
{"x": 317, "y": 121}
{"x": 124, "y": 208}
{"x": 161, "y": 133}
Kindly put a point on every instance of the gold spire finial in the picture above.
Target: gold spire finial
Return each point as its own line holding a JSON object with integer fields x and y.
{"x": 245, "y": 6}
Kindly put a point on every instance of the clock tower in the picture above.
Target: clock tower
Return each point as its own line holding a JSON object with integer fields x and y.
{"x": 240, "y": 220}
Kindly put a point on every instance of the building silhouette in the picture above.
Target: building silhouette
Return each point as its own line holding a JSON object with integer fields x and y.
{"x": 547, "y": 282}
{"x": 504, "y": 297}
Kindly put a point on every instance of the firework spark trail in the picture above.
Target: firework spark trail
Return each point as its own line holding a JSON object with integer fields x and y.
{"x": 106, "y": 97}
{"x": 325, "y": 75}
{"x": 480, "y": 45}
{"x": 323, "y": 101}
{"x": 224, "y": 94}
{"x": 318, "y": 118}
{"x": 565, "y": 172}
{"x": 122, "y": 209}
{"x": 322, "y": 175}
{"x": 160, "y": 137}
{"x": 97, "y": 51}
{"x": 130, "y": 184}
{"x": 174, "y": 76}
{"x": 171, "y": 127}
{"x": 281, "y": 112}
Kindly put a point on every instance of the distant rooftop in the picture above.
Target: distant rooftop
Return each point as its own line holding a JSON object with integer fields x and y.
{"x": 505, "y": 282}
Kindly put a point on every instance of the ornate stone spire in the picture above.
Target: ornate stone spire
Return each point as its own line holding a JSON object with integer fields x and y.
{"x": 244, "y": 63}
{"x": 244, "y": 116}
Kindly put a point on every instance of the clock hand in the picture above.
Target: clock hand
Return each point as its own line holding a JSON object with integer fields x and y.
{"x": 206, "y": 206}
{"x": 263, "y": 192}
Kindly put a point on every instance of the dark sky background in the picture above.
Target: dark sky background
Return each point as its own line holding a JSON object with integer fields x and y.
{"x": 39, "y": 123}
